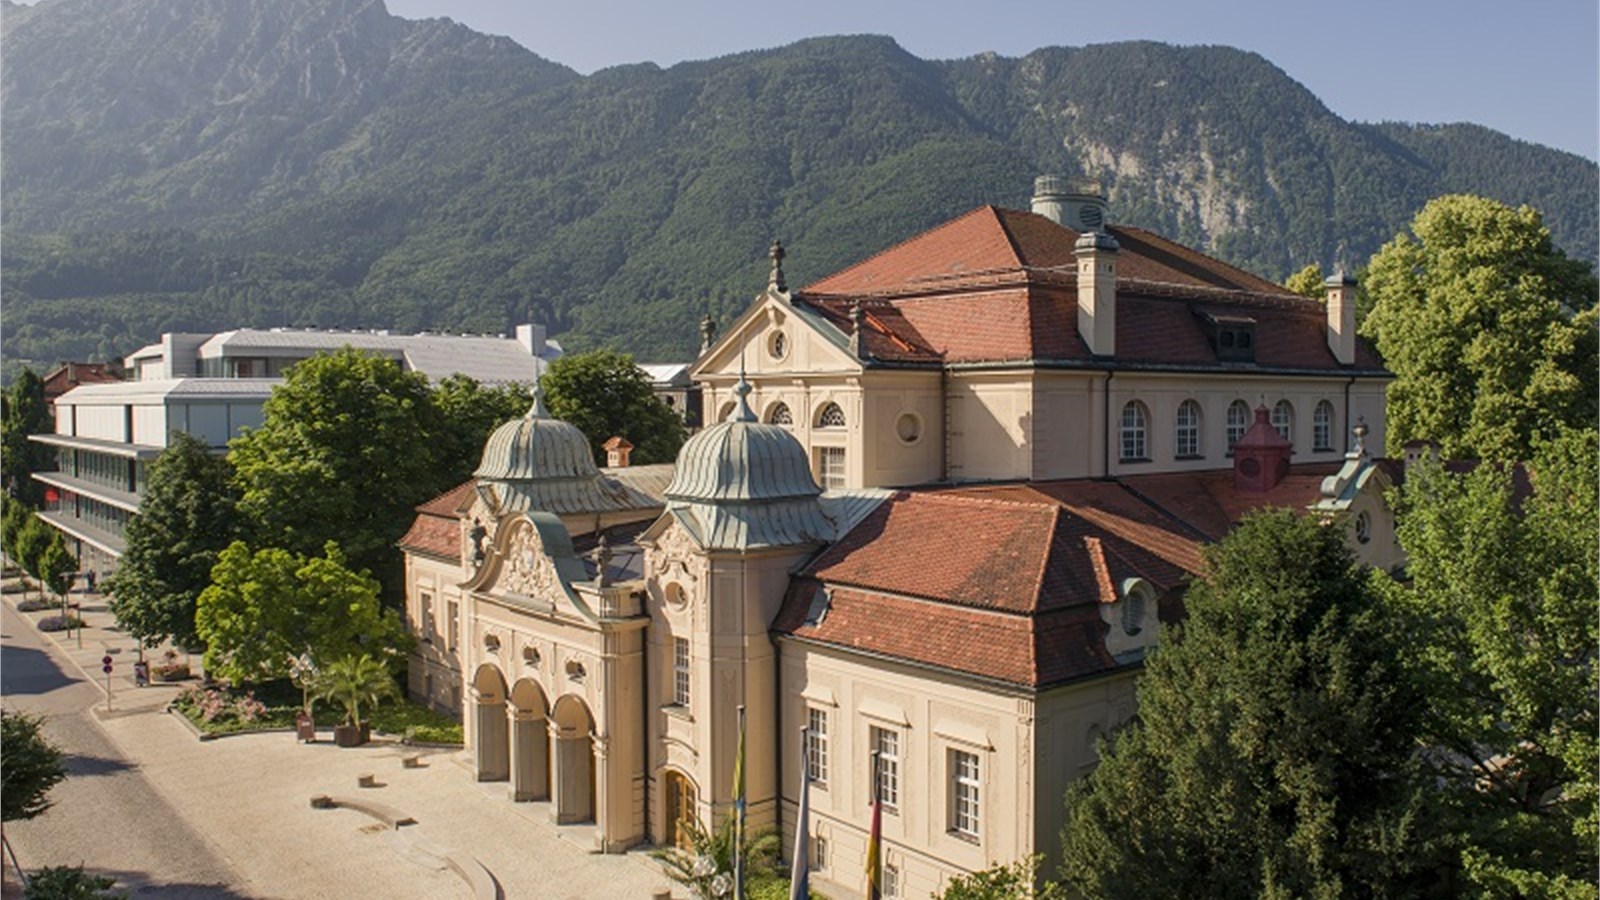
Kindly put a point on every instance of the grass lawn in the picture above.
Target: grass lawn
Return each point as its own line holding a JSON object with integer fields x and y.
{"x": 274, "y": 704}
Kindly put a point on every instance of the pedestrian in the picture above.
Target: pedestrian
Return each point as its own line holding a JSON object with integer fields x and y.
{"x": 141, "y": 673}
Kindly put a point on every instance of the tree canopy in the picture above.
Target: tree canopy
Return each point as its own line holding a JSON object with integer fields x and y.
{"x": 186, "y": 517}
{"x": 24, "y": 413}
{"x": 264, "y": 608}
{"x": 605, "y": 394}
{"x": 32, "y": 767}
{"x": 1489, "y": 329}
{"x": 1307, "y": 282}
{"x": 1503, "y": 598}
{"x": 469, "y": 412}
{"x": 344, "y": 453}
{"x": 1272, "y": 754}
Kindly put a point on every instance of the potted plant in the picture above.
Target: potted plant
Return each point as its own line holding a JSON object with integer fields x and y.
{"x": 354, "y": 682}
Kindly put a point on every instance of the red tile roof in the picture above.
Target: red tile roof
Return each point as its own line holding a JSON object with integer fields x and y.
{"x": 1006, "y": 581}
{"x": 436, "y": 531}
{"x": 999, "y": 285}
{"x": 67, "y": 376}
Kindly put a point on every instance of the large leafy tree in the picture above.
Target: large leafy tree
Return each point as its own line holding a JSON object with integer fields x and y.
{"x": 266, "y": 607}
{"x": 344, "y": 453}
{"x": 1273, "y": 751}
{"x": 605, "y": 394}
{"x": 1505, "y": 597}
{"x": 186, "y": 518}
{"x": 24, "y": 413}
{"x": 32, "y": 542}
{"x": 32, "y": 767}
{"x": 1489, "y": 329}
{"x": 469, "y": 412}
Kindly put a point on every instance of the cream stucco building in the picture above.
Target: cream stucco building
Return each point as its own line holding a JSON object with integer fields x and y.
{"x": 949, "y": 495}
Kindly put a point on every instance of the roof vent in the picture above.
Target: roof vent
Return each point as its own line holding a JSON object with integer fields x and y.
{"x": 1077, "y": 203}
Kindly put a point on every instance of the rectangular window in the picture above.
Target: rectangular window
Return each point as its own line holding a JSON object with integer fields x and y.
{"x": 964, "y": 793}
{"x": 680, "y": 671}
{"x": 455, "y": 624}
{"x": 426, "y": 602}
{"x": 819, "y": 853}
{"x": 887, "y": 777}
{"x": 817, "y": 746}
{"x": 891, "y": 882}
{"x": 830, "y": 467}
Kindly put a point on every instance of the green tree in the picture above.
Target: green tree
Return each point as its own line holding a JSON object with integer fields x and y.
{"x": 186, "y": 518}
{"x": 1308, "y": 282}
{"x": 14, "y": 517}
{"x": 605, "y": 394}
{"x": 354, "y": 681}
{"x": 469, "y": 413}
{"x": 344, "y": 453}
{"x": 1489, "y": 329}
{"x": 267, "y": 607}
{"x": 1504, "y": 598}
{"x": 1272, "y": 755}
{"x": 24, "y": 413}
{"x": 1015, "y": 881}
{"x": 32, "y": 542}
{"x": 56, "y": 564}
{"x": 32, "y": 767}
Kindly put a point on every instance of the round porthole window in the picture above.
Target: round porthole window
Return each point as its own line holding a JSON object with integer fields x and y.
{"x": 778, "y": 345}
{"x": 1363, "y": 528}
{"x": 908, "y": 428}
{"x": 530, "y": 655}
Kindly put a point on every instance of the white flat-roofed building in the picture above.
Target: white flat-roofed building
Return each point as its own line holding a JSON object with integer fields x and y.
{"x": 211, "y": 386}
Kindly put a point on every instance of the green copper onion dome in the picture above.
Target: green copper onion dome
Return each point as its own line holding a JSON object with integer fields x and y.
{"x": 536, "y": 447}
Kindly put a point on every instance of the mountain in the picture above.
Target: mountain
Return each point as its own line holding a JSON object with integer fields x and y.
{"x": 187, "y": 164}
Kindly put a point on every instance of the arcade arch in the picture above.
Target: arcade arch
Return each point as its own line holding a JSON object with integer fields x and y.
{"x": 572, "y": 768}
{"x": 492, "y": 748}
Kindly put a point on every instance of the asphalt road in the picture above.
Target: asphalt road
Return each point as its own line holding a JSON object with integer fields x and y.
{"x": 107, "y": 816}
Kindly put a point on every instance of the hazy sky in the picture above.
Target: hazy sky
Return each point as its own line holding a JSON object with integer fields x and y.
{"x": 1529, "y": 69}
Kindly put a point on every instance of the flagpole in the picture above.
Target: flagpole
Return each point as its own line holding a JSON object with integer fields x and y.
{"x": 875, "y": 836}
{"x": 738, "y": 814}
{"x": 800, "y": 870}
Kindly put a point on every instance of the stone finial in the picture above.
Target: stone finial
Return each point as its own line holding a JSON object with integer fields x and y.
{"x": 537, "y": 410}
{"x": 1360, "y": 431}
{"x": 742, "y": 412}
{"x": 708, "y": 332}
{"x": 858, "y": 321}
{"x": 602, "y": 560}
{"x": 775, "y": 281}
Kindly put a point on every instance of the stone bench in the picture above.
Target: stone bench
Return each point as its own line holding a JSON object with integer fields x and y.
{"x": 383, "y": 812}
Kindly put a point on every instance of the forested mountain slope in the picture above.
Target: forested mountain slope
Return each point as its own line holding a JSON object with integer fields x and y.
{"x": 174, "y": 164}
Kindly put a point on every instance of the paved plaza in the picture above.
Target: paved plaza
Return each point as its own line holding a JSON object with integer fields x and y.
{"x": 243, "y": 802}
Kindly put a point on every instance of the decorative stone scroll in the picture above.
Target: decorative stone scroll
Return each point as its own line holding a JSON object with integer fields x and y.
{"x": 528, "y": 570}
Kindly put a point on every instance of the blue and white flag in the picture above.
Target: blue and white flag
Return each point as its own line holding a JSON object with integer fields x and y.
{"x": 800, "y": 870}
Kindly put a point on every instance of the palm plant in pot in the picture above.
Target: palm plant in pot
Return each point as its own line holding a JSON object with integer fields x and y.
{"x": 355, "y": 682}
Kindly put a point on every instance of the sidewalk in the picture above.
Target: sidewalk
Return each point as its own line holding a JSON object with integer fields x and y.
{"x": 250, "y": 795}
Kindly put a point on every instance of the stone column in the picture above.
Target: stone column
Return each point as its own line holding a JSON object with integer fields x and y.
{"x": 605, "y": 822}
{"x": 529, "y": 748}
{"x": 570, "y": 789}
{"x": 493, "y": 746}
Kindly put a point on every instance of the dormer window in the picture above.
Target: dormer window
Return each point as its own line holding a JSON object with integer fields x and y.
{"x": 1233, "y": 337}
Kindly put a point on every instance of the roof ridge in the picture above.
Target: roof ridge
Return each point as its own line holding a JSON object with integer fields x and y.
{"x": 1049, "y": 554}
{"x": 893, "y": 247}
{"x": 1005, "y": 229}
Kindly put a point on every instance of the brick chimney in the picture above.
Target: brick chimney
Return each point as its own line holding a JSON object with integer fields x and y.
{"x": 1342, "y": 317}
{"x": 1097, "y": 291}
{"x": 617, "y": 451}
{"x": 1260, "y": 457}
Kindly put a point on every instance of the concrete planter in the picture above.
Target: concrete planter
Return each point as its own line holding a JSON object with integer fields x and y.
{"x": 346, "y": 735}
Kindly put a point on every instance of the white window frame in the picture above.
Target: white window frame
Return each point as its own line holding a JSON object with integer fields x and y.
{"x": 1322, "y": 426}
{"x": 1135, "y": 445}
{"x": 1187, "y": 431}
{"x": 886, "y": 774}
{"x": 1238, "y": 422}
{"x": 680, "y": 672}
{"x": 832, "y": 468}
{"x": 966, "y": 794}
{"x": 1283, "y": 419}
{"x": 817, "y": 746}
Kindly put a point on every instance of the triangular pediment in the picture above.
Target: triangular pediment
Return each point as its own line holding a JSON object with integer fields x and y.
{"x": 774, "y": 337}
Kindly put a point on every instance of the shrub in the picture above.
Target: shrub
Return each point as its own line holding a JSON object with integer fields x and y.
{"x": 34, "y": 604}
{"x": 60, "y": 622}
{"x": 69, "y": 883}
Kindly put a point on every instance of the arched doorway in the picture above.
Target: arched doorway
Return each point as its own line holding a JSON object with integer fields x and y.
{"x": 680, "y": 807}
{"x": 492, "y": 748}
{"x": 530, "y": 744}
{"x": 572, "y": 770}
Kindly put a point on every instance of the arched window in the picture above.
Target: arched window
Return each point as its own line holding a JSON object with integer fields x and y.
{"x": 1133, "y": 431}
{"x": 1322, "y": 426}
{"x": 1283, "y": 420}
{"x": 1133, "y": 611}
{"x": 830, "y": 417}
{"x": 1188, "y": 433}
{"x": 1238, "y": 422}
{"x": 779, "y": 415}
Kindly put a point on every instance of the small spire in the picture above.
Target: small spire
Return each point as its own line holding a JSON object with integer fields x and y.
{"x": 775, "y": 281}
{"x": 538, "y": 410}
{"x": 858, "y": 337}
{"x": 742, "y": 412}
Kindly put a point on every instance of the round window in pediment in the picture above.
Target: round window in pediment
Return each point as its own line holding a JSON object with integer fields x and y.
{"x": 778, "y": 345}
{"x": 1363, "y": 528}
